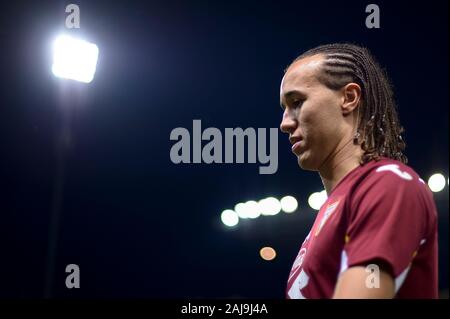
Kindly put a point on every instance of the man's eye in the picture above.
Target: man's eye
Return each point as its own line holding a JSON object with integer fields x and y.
{"x": 297, "y": 103}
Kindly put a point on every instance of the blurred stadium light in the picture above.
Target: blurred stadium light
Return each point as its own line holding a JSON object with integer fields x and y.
{"x": 267, "y": 253}
{"x": 316, "y": 200}
{"x": 271, "y": 206}
{"x": 436, "y": 182}
{"x": 74, "y": 59}
{"x": 230, "y": 218}
{"x": 288, "y": 204}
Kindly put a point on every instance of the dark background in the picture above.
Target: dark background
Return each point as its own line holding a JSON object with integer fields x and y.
{"x": 140, "y": 226}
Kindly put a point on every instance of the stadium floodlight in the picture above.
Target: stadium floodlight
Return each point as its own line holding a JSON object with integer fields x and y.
{"x": 317, "y": 199}
{"x": 249, "y": 209}
{"x": 241, "y": 210}
{"x": 288, "y": 204}
{"x": 229, "y": 217}
{"x": 269, "y": 206}
{"x": 436, "y": 182}
{"x": 74, "y": 59}
{"x": 252, "y": 209}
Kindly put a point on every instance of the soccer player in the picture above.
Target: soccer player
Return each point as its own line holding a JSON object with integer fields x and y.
{"x": 376, "y": 234}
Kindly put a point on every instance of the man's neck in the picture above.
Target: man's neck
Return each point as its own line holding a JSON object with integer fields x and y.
{"x": 343, "y": 160}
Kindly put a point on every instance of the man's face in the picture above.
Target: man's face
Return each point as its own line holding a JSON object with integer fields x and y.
{"x": 312, "y": 113}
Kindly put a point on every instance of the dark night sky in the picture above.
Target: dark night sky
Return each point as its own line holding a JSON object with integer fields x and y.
{"x": 139, "y": 225}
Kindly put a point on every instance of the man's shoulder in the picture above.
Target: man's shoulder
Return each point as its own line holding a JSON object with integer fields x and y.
{"x": 386, "y": 178}
{"x": 392, "y": 188}
{"x": 389, "y": 180}
{"x": 390, "y": 171}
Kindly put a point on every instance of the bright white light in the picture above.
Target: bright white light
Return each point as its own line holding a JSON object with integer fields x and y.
{"x": 241, "y": 210}
{"x": 74, "y": 59}
{"x": 436, "y": 182}
{"x": 229, "y": 217}
{"x": 269, "y": 206}
{"x": 317, "y": 199}
{"x": 251, "y": 209}
{"x": 288, "y": 204}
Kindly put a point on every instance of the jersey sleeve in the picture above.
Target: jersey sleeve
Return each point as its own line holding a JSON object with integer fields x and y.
{"x": 388, "y": 220}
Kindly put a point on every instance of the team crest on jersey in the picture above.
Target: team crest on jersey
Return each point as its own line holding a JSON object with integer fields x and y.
{"x": 326, "y": 215}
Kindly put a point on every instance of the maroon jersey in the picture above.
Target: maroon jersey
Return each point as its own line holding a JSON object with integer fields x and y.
{"x": 380, "y": 213}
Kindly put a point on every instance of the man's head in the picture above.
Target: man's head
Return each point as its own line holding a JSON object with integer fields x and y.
{"x": 335, "y": 94}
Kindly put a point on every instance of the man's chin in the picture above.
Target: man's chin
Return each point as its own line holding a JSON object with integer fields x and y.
{"x": 305, "y": 163}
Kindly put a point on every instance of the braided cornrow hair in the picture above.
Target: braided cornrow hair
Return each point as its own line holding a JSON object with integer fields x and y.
{"x": 379, "y": 131}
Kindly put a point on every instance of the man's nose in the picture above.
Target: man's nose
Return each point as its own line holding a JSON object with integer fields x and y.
{"x": 288, "y": 124}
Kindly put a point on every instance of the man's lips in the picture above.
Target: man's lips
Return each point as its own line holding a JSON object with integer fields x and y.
{"x": 296, "y": 144}
{"x": 296, "y": 147}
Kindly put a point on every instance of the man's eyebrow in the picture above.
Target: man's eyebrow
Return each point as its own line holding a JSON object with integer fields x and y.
{"x": 288, "y": 95}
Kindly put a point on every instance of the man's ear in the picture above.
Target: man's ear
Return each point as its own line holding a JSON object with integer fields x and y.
{"x": 351, "y": 96}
